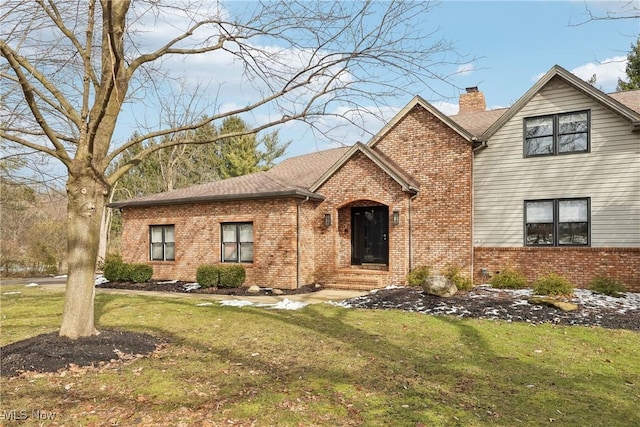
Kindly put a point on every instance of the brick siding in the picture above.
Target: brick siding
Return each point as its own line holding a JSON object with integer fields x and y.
{"x": 578, "y": 265}
{"x": 441, "y": 160}
{"x": 197, "y": 238}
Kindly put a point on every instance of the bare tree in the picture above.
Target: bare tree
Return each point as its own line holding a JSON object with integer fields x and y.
{"x": 621, "y": 10}
{"x": 71, "y": 66}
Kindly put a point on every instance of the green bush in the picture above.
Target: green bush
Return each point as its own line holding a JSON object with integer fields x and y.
{"x": 114, "y": 268}
{"x": 139, "y": 273}
{"x": 418, "y": 275}
{"x": 552, "y": 284}
{"x": 607, "y": 286}
{"x": 453, "y": 273}
{"x": 231, "y": 276}
{"x": 508, "y": 279}
{"x": 208, "y": 276}
{"x": 117, "y": 271}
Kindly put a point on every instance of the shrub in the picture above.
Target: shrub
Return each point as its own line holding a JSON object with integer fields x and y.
{"x": 453, "y": 273}
{"x": 552, "y": 284}
{"x": 607, "y": 286}
{"x": 231, "y": 276}
{"x": 508, "y": 279}
{"x": 114, "y": 268}
{"x": 139, "y": 273}
{"x": 208, "y": 276}
{"x": 418, "y": 275}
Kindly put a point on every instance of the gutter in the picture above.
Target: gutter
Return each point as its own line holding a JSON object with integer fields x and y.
{"x": 218, "y": 198}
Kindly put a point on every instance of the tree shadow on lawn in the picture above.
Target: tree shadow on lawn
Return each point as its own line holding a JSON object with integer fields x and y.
{"x": 482, "y": 379}
{"x": 470, "y": 377}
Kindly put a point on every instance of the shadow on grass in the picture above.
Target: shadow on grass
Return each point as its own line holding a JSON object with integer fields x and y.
{"x": 478, "y": 382}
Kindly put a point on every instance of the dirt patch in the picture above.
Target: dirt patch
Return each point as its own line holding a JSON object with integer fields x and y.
{"x": 51, "y": 352}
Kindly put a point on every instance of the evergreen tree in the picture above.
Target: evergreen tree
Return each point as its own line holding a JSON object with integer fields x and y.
{"x": 632, "y": 70}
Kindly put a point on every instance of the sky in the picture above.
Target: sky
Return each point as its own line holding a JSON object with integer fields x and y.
{"x": 515, "y": 43}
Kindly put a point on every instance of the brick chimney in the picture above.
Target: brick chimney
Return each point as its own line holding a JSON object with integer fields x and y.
{"x": 472, "y": 101}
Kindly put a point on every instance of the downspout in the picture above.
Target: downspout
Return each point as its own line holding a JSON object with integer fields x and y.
{"x": 298, "y": 250}
{"x": 411, "y": 232}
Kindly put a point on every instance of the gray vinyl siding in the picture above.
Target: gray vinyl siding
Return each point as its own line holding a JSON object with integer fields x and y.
{"x": 609, "y": 174}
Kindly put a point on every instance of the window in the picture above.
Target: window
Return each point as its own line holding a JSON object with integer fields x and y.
{"x": 558, "y": 222}
{"x": 162, "y": 238}
{"x": 237, "y": 242}
{"x": 556, "y": 134}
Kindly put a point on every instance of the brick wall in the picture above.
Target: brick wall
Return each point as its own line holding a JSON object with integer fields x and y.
{"x": 578, "y": 265}
{"x": 197, "y": 238}
{"x": 441, "y": 160}
{"x": 359, "y": 183}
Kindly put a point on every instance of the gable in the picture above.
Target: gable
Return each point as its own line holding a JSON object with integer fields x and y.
{"x": 418, "y": 102}
{"x": 384, "y": 163}
{"x": 551, "y": 77}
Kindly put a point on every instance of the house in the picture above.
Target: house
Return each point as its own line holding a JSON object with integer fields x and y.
{"x": 551, "y": 184}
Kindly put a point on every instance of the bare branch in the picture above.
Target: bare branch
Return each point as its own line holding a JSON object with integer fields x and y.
{"x": 60, "y": 153}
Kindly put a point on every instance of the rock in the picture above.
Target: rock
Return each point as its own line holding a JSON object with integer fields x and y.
{"x": 561, "y": 305}
{"x": 254, "y": 289}
{"x": 439, "y": 286}
{"x": 277, "y": 291}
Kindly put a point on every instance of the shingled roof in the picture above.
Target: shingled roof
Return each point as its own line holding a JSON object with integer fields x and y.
{"x": 477, "y": 122}
{"x": 290, "y": 178}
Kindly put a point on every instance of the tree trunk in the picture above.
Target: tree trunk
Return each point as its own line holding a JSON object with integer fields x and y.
{"x": 87, "y": 198}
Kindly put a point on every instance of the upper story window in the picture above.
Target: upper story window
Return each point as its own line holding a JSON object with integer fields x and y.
{"x": 237, "y": 242}
{"x": 557, "y": 222}
{"x": 162, "y": 238}
{"x": 557, "y": 134}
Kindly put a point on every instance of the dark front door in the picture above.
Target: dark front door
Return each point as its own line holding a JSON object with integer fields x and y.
{"x": 369, "y": 235}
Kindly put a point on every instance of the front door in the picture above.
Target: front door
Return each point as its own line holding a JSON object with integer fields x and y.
{"x": 369, "y": 235}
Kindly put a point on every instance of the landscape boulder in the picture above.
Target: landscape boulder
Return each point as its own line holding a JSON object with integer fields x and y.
{"x": 560, "y": 305}
{"x": 439, "y": 286}
{"x": 254, "y": 289}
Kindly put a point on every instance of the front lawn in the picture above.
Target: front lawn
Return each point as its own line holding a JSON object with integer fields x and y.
{"x": 325, "y": 365}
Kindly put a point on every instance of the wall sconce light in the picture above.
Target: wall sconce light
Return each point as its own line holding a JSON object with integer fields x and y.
{"x": 396, "y": 217}
{"x": 327, "y": 220}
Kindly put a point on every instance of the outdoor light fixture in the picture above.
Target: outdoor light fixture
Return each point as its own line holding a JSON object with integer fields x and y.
{"x": 327, "y": 220}
{"x": 396, "y": 217}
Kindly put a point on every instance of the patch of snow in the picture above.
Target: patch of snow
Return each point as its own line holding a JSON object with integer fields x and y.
{"x": 31, "y": 285}
{"x": 343, "y": 304}
{"x": 12, "y": 293}
{"x": 287, "y": 304}
{"x": 373, "y": 291}
{"x": 167, "y": 282}
{"x": 204, "y": 304}
{"x": 191, "y": 287}
{"x": 235, "y": 302}
{"x": 62, "y": 276}
{"x": 100, "y": 279}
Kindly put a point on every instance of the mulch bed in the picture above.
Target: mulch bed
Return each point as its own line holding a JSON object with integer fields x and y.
{"x": 51, "y": 352}
{"x": 183, "y": 287}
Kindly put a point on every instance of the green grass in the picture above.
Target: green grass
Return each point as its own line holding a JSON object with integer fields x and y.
{"x": 325, "y": 365}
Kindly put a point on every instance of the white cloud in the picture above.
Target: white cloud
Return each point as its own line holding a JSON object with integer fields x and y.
{"x": 447, "y": 108}
{"x": 465, "y": 69}
{"x": 607, "y": 72}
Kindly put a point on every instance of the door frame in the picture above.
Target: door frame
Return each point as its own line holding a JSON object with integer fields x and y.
{"x": 380, "y": 241}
